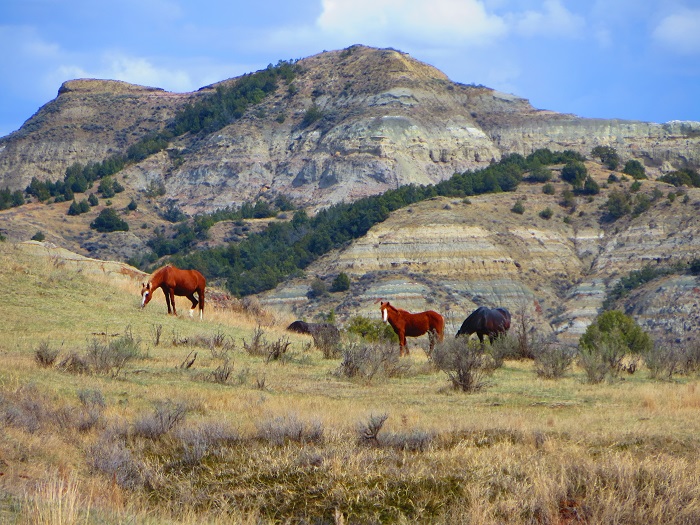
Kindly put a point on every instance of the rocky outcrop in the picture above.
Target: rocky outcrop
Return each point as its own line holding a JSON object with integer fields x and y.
{"x": 88, "y": 121}
{"x": 382, "y": 120}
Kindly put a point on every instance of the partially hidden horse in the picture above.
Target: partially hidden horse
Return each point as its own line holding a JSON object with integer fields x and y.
{"x": 491, "y": 322}
{"x": 323, "y": 332}
{"x": 175, "y": 281}
{"x": 302, "y": 327}
{"x": 406, "y": 324}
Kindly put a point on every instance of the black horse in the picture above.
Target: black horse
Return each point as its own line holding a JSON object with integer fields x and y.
{"x": 492, "y": 322}
{"x": 315, "y": 329}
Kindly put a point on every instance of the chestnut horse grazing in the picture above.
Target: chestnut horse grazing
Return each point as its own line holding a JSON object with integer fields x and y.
{"x": 174, "y": 282}
{"x": 412, "y": 325}
{"x": 492, "y": 322}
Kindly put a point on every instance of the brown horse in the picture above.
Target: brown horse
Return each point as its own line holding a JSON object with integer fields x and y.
{"x": 405, "y": 324}
{"x": 174, "y": 282}
{"x": 492, "y": 322}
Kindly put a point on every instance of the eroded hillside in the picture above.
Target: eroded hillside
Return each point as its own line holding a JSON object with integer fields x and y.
{"x": 453, "y": 255}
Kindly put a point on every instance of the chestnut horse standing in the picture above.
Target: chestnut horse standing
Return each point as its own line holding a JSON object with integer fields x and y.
{"x": 174, "y": 282}
{"x": 492, "y": 322}
{"x": 405, "y": 324}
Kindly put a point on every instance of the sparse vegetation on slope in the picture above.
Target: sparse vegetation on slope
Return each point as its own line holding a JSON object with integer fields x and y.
{"x": 264, "y": 260}
{"x": 162, "y": 437}
{"x": 210, "y": 113}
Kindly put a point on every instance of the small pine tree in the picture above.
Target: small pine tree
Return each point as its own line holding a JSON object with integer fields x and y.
{"x": 318, "y": 288}
{"x": 518, "y": 207}
{"x": 635, "y": 169}
{"x": 109, "y": 221}
{"x": 575, "y": 173}
{"x": 341, "y": 283}
{"x": 608, "y": 156}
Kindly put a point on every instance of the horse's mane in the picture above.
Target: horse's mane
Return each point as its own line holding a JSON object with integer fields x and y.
{"x": 159, "y": 272}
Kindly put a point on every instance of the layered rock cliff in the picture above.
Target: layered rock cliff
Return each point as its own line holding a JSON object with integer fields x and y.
{"x": 384, "y": 119}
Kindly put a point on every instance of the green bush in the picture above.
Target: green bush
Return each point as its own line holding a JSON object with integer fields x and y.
{"x": 518, "y": 207}
{"x": 590, "y": 187}
{"x": 568, "y": 199}
{"x": 607, "y": 155}
{"x": 76, "y": 208}
{"x": 371, "y": 329}
{"x": 540, "y": 174}
{"x": 551, "y": 359}
{"x": 635, "y": 169}
{"x": 341, "y": 283}
{"x": 313, "y": 113}
{"x": 546, "y": 213}
{"x": 575, "y": 173}
{"x": 10, "y": 199}
{"x": 371, "y": 360}
{"x": 109, "y": 221}
{"x": 318, "y": 288}
{"x": 682, "y": 177}
{"x": 642, "y": 204}
{"x": 618, "y": 204}
{"x": 106, "y": 188}
{"x": 464, "y": 362}
{"x": 611, "y": 337}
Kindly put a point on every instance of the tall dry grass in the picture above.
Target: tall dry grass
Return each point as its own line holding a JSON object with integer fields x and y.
{"x": 283, "y": 440}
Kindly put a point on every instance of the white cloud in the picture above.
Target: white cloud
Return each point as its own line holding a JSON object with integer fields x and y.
{"x": 554, "y": 20}
{"x": 680, "y": 32}
{"x": 434, "y": 23}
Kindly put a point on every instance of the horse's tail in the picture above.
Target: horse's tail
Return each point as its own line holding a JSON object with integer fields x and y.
{"x": 441, "y": 331}
{"x": 439, "y": 326}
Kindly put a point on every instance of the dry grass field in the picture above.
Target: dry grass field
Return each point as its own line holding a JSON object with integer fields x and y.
{"x": 104, "y": 418}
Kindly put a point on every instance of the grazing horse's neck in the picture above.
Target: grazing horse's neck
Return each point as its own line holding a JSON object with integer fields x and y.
{"x": 157, "y": 279}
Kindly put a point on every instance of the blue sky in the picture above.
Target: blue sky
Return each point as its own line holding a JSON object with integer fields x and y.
{"x": 629, "y": 59}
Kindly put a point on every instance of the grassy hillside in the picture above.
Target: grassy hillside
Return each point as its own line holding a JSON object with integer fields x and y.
{"x": 149, "y": 440}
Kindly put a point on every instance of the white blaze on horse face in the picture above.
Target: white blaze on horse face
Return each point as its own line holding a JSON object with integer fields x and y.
{"x": 143, "y": 300}
{"x": 385, "y": 314}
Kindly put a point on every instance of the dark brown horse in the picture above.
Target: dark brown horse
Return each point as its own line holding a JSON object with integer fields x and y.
{"x": 405, "y": 324}
{"x": 321, "y": 332}
{"x": 302, "y": 327}
{"x": 174, "y": 282}
{"x": 492, "y": 322}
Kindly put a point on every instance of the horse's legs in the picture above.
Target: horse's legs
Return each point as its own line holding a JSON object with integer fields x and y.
{"x": 172, "y": 300}
{"x": 200, "y": 293}
{"x": 194, "y": 303}
{"x": 403, "y": 350}
{"x": 166, "y": 292}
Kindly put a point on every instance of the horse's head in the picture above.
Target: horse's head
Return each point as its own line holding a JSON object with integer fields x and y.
{"x": 146, "y": 293}
{"x": 384, "y": 308}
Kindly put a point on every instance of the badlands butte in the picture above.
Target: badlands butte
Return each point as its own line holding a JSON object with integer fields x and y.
{"x": 385, "y": 120}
